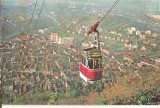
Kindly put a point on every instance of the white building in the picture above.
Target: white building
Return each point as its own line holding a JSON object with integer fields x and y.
{"x": 138, "y": 32}
{"x": 154, "y": 35}
{"x": 54, "y": 37}
{"x": 132, "y": 30}
{"x": 143, "y": 36}
{"x": 148, "y": 32}
{"x": 85, "y": 44}
{"x": 66, "y": 40}
{"x": 80, "y": 31}
{"x": 113, "y": 32}
{"x": 119, "y": 34}
{"x": 143, "y": 48}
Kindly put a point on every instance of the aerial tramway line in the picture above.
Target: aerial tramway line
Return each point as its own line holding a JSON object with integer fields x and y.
{"x": 29, "y": 26}
{"x": 90, "y": 68}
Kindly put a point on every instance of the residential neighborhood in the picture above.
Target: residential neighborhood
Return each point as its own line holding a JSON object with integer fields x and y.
{"x": 37, "y": 63}
{"x": 40, "y": 55}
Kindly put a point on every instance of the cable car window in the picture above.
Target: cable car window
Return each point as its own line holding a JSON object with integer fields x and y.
{"x": 90, "y": 63}
{"x": 86, "y": 62}
{"x": 96, "y": 63}
{"x": 82, "y": 59}
{"x": 100, "y": 62}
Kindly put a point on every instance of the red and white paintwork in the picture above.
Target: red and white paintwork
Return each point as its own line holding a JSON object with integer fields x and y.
{"x": 89, "y": 74}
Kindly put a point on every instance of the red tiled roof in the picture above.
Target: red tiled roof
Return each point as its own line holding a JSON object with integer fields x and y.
{"x": 30, "y": 49}
{"x": 106, "y": 51}
{"x": 55, "y": 87}
{"x": 129, "y": 57}
{"x": 24, "y": 37}
{"x": 24, "y": 88}
{"x": 47, "y": 59}
{"x": 64, "y": 75}
{"x": 18, "y": 78}
{"x": 58, "y": 64}
{"x": 31, "y": 80}
{"x": 115, "y": 66}
{"x": 56, "y": 75}
{"x": 137, "y": 66}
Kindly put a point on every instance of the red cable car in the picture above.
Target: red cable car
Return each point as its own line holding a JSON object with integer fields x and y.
{"x": 91, "y": 65}
{"x": 90, "y": 68}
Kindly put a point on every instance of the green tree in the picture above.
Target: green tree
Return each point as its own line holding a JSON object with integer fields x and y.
{"x": 5, "y": 70}
{"x": 72, "y": 94}
{"x": 53, "y": 98}
{"x": 100, "y": 100}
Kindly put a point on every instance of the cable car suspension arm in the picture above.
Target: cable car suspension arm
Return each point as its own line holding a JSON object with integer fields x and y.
{"x": 94, "y": 27}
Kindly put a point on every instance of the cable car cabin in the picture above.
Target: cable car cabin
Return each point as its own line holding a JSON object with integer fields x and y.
{"x": 91, "y": 65}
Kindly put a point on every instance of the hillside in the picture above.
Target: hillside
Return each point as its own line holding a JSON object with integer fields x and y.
{"x": 128, "y": 90}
